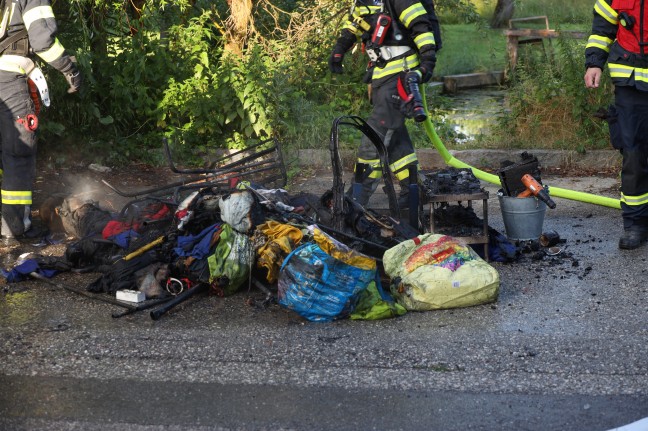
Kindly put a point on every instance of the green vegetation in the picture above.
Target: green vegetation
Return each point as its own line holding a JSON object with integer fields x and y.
{"x": 206, "y": 77}
{"x": 471, "y": 48}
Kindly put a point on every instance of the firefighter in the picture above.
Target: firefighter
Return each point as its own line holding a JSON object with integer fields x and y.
{"x": 620, "y": 38}
{"x": 399, "y": 36}
{"x": 27, "y": 29}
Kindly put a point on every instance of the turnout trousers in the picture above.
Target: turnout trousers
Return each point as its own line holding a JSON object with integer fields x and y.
{"x": 18, "y": 155}
{"x": 632, "y": 108}
{"x": 389, "y": 123}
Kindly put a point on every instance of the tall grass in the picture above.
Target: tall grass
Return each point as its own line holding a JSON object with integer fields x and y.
{"x": 550, "y": 106}
{"x": 559, "y": 12}
{"x": 469, "y": 48}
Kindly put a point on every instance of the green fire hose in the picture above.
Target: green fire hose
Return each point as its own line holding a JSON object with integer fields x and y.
{"x": 450, "y": 160}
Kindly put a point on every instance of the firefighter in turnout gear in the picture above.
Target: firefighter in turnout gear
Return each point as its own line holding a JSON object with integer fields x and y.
{"x": 620, "y": 39}
{"x": 27, "y": 30}
{"x": 401, "y": 38}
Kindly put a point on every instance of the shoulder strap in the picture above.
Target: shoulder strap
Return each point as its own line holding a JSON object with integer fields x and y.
{"x": 11, "y": 39}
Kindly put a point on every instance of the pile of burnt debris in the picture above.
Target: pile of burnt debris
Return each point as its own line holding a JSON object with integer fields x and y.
{"x": 233, "y": 224}
{"x": 225, "y": 226}
{"x": 451, "y": 192}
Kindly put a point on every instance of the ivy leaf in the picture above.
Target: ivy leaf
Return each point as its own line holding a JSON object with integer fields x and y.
{"x": 106, "y": 120}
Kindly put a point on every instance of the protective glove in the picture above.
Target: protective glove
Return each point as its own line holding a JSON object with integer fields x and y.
{"x": 72, "y": 75}
{"x": 335, "y": 61}
{"x": 74, "y": 80}
{"x": 426, "y": 71}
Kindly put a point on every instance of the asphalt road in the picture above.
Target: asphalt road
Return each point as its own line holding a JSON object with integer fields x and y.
{"x": 565, "y": 347}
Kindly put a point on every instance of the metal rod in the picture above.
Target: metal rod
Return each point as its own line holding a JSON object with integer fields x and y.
{"x": 81, "y": 292}
{"x": 144, "y": 306}
{"x": 179, "y": 299}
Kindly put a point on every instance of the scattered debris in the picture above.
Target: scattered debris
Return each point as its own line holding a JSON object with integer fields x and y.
{"x": 99, "y": 168}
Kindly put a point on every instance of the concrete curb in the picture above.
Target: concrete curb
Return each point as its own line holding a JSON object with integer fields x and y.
{"x": 482, "y": 159}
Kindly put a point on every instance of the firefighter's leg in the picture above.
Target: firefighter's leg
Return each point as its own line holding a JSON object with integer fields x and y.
{"x": 372, "y": 176}
{"x": 402, "y": 157}
{"x": 632, "y": 106}
{"x": 18, "y": 157}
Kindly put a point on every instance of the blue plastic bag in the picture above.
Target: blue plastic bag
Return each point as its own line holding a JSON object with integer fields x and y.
{"x": 320, "y": 287}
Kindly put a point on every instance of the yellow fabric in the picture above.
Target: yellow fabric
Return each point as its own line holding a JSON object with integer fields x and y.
{"x": 341, "y": 253}
{"x": 281, "y": 240}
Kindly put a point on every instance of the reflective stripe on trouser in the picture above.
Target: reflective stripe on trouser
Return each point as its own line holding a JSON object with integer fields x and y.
{"x": 400, "y": 154}
{"x": 18, "y": 154}
{"x": 632, "y": 108}
{"x": 389, "y": 123}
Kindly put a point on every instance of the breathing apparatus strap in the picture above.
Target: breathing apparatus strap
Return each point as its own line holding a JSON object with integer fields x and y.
{"x": 5, "y": 44}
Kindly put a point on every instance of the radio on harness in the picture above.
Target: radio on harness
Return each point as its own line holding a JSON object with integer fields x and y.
{"x": 382, "y": 26}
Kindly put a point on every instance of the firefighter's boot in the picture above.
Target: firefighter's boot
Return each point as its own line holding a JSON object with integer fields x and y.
{"x": 633, "y": 237}
{"x": 404, "y": 194}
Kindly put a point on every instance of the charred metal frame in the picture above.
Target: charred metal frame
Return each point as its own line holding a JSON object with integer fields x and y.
{"x": 265, "y": 157}
{"x": 338, "y": 171}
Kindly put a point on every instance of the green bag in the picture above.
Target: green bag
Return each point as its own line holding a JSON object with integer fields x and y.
{"x": 229, "y": 266}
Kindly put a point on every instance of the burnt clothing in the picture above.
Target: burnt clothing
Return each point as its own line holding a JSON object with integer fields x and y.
{"x": 619, "y": 38}
{"x": 18, "y": 121}
{"x": 398, "y": 36}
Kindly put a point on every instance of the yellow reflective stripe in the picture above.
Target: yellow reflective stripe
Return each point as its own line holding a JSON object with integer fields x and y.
{"x": 641, "y": 75}
{"x": 634, "y": 200}
{"x": 365, "y": 10}
{"x": 424, "y": 39}
{"x": 407, "y": 160}
{"x": 376, "y": 167}
{"x": 600, "y": 42}
{"x": 53, "y": 53}
{"x": 605, "y": 10}
{"x": 371, "y": 162}
{"x": 10, "y": 197}
{"x": 10, "y": 66}
{"x": 396, "y": 66}
{"x": 401, "y": 175}
{"x": 411, "y": 13}
{"x": 40, "y": 12}
{"x": 620, "y": 70}
{"x": 375, "y": 173}
{"x": 624, "y": 71}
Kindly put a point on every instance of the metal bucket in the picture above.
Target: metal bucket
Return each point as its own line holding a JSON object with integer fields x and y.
{"x": 523, "y": 217}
